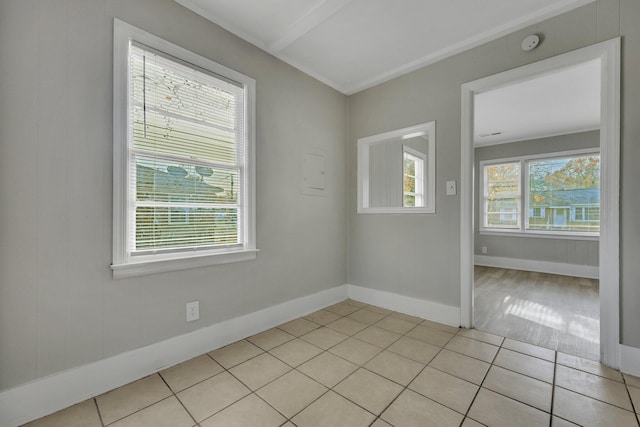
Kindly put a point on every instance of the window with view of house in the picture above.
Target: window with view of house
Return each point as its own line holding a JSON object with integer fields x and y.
{"x": 184, "y": 163}
{"x": 560, "y": 194}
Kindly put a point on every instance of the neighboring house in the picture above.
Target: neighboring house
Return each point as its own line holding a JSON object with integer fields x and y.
{"x": 176, "y": 224}
{"x": 575, "y": 210}
{"x": 559, "y": 210}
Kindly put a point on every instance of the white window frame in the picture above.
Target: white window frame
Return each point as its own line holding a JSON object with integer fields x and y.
{"x": 427, "y": 130}
{"x": 523, "y": 228}
{"x": 483, "y": 191}
{"x": 419, "y": 177}
{"x": 124, "y": 264}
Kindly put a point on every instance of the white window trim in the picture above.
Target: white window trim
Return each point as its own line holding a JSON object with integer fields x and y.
{"x": 425, "y": 129}
{"x": 518, "y": 226}
{"x": 523, "y": 230}
{"x": 419, "y": 176}
{"x": 124, "y": 265}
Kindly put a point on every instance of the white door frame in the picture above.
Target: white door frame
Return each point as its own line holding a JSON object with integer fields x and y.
{"x": 609, "y": 54}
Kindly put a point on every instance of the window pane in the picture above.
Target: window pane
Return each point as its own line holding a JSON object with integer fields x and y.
{"x": 181, "y": 138}
{"x": 165, "y": 181}
{"x": 182, "y": 111}
{"x": 502, "y": 196}
{"x": 413, "y": 184}
{"x": 409, "y": 184}
{"x": 502, "y": 213}
{"x": 565, "y": 192}
{"x": 187, "y": 140}
{"x": 409, "y": 165}
{"x": 503, "y": 180}
{"x": 163, "y": 227}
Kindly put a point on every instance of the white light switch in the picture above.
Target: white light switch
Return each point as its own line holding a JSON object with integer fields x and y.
{"x": 452, "y": 189}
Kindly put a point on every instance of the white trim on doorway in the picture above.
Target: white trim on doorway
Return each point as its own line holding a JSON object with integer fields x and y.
{"x": 608, "y": 53}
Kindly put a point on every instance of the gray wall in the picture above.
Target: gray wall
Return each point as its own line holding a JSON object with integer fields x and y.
{"x": 418, "y": 255}
{"x": 59, "y": 306}
{"x": 570, "y": 251}
{"x": 385, "y": 174}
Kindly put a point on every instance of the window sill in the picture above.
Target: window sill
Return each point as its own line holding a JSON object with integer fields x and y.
{"x": 541, "y": 235}
{"x": 163, "y": 265}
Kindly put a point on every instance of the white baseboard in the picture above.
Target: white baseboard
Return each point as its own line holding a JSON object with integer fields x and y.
{"x": 42, "y": 397}
{"x": 429, "y": 310}
{"x": 630, "y": 360}
{"x": 576, "y": 270}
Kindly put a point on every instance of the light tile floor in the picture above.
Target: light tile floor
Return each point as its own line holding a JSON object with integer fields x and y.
{"x": 353, "y": 364}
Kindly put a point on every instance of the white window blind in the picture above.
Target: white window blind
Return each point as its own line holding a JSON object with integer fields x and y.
{"x": 186, "y": 156}
{"x": 183, "y": 158}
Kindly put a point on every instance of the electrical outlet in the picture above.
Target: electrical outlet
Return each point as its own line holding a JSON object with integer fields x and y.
{"x": 193, "y": 311}
{"x": 484, "y": 249}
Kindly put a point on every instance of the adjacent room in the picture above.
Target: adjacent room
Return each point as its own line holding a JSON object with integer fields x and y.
{"x": 537, "y": 210}
{"x": 259, "y": 213}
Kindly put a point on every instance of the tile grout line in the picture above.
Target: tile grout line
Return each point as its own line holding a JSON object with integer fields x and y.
{"x": 359, "y": 365}
{"x": 633, "y": 406}
{"x": 95, "y": 403}
{"x": 553, "y": 386}
{"x": 527, "y": 375}
{"x": 289, "y": 419}
{"x": 595, "y": 398}
{"x": 466, "y": 414}
{"x": 406, "y": 387}
{"x": 251, "y": 391}
{"x": 174, "y": 394}
{"x": 139, "y": 409}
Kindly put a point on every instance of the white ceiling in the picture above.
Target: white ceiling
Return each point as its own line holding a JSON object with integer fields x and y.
{"x": 562, "y": 102}
{"x": 355, "y": 44}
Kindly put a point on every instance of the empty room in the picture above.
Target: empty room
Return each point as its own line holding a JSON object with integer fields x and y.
{"x": 319, "y": 213}
{"x": 537, "y": 205}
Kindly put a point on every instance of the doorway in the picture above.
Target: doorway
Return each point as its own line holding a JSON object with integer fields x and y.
{"x": 608, "y": 55}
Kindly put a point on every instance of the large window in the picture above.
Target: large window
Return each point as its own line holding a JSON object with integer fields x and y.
{"x": 542, "y": 194}
{"x": 183, "y": 158}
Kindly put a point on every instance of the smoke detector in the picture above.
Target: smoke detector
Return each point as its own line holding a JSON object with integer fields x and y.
{"x": 530, "y": 42}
